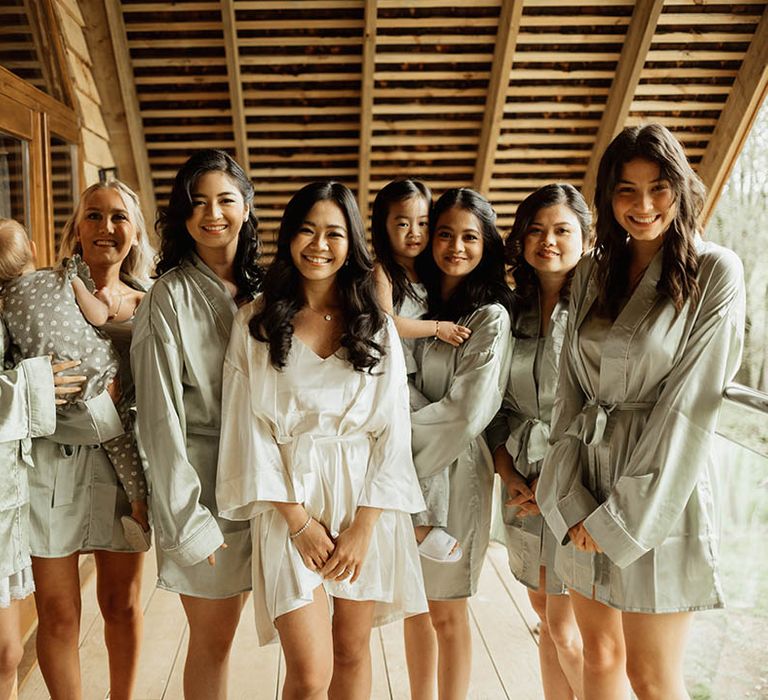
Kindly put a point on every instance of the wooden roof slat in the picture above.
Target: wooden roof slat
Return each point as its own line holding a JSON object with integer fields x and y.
{"x": 366, "y": 104}
{"x": 633, "y": 56}
{"x": 738, "y": 115}
{"x": 506, "y": 42}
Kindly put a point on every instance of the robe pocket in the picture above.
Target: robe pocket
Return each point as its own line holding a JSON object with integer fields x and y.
{"x": 523, "y": 551}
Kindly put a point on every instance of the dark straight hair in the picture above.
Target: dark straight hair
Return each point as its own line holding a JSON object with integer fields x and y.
{"x": 283, "y": 292}
{"x": 680, "y": 261}
{"x": 176, "y": 244}
{"x": 486, "y": 284}
{"x": 526, "y": 281}
{"x": 396, "y": 191}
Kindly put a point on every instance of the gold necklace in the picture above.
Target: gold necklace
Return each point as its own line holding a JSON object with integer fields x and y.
{"x": 326, "y": 316}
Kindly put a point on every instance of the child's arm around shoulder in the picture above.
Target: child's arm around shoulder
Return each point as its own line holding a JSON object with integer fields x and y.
{"x": 412, "y": 327}
{"x": 94, "y": 309}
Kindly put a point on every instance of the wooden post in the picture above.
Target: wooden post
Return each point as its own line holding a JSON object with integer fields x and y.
{"x": 235, "y": 85}
{"x": 640, "y": 33}
{"x": 506, "y": 41}
{"x": 735, "y": 121}
{"x": 366, "y": 107}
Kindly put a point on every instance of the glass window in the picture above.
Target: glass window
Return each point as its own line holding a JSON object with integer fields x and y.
{"x": 63, "y": 185}
{"x": 14, "y": 179}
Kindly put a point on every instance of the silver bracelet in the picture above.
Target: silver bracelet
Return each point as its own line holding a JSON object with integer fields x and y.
{"x": 294, "y": 535}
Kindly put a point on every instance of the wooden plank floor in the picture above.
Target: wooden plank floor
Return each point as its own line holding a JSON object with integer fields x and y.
{"x": 504, "y": 662}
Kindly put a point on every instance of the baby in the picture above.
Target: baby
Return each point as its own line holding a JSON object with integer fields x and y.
{"x": 51, "y": 312}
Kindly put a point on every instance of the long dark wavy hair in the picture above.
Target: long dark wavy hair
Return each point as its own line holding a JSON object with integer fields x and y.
{"x": 486, "y": 284}
{"x": 680, "y": 262}
{"x": 176, "y": 244}
{"x": 526, "y": 280}
{"x": 396, "y": 191}
{"x": 283, "y": 291}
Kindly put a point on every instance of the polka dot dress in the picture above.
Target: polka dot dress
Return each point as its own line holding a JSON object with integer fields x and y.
{"x": 43, "y": 318}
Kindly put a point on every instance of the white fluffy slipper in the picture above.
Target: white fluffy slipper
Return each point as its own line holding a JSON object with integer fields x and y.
{"x": 135, "y": 535}
{"x": 437, "y": 546}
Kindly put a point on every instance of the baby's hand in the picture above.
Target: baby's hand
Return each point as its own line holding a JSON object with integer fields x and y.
{"x": 452, "y": 333}
{"x": 113, "y": 389}
{"x": 105, "y": 297}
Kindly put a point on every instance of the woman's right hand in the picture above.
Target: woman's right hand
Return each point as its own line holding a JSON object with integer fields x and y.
{"x": 452, "y": 333}
{"x": 66, "y": 385}
{"x": 314, "y": 545}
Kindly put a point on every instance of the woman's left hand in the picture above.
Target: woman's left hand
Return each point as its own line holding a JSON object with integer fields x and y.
{"x": 582, "y": 540}
{"x": 351, "y": 547}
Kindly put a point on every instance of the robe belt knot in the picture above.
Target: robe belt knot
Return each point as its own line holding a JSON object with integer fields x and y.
{"x": 589, "y": 426}
{"x": 529, "y": 440}
{"x": 304, "y": 452}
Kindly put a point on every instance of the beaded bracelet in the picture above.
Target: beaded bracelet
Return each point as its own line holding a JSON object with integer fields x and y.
{"x": 437, "y": 330}
{"x": 294, "y": 535}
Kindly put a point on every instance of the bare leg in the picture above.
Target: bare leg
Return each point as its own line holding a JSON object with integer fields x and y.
{"x": 421, "y": 656}
{"x": 352, "y": 622}
{"x": 556, "y": 686}
{"x": 450, "y": 618}
{"x": 307, "y": 641}
{"x": 212, "y": 627}
{"x": 564, "y": 632}
{"x": 655, "y": 652}
{"x": 11, "y": 649}
{"x": 605, "y": 657}
{"x": 118, "y": 589}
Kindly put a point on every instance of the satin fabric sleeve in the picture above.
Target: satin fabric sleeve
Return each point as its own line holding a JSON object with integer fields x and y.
{"x": 27, "y": 400}
{"x": 185, "y": 529}
{"x": 560, "y": 493}
{"x": 251, "y": 472}
{"x": 506, "y": 420}
{"x": 666, "y": 463}
{"x": 390, "y": 480}
{"x": 443, "y": 429}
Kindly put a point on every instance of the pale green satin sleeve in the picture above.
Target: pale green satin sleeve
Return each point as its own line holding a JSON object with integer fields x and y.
{"x": 185, "y": 529}
{"x": 443, "y": 429}
{"x": 27, "y": 401}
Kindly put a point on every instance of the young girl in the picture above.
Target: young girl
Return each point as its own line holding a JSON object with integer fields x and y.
{"x": 400, "y": 233}
{"x": 57, "y": 312}
{"x": 208, "y": 265}
{"x": 655, "y": 330}
{"x": 316, "y": 452}
{"x": 550, "y": 233}
{"x": 464, "y": 387}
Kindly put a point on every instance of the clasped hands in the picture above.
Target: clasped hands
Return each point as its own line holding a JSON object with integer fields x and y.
{"x": 338, "y": 558}
{"x": 522, "y": 495}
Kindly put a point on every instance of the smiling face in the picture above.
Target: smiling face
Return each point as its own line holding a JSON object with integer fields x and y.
{"x": 457, "y": 245}
{"x": 218, "y": 213}
{"x": 106, "y": 231}
{"x": 553, "y": 242}
{"x": 408, "y": 228}
{"x": 644, "y": 202}
{"x": 320, "y": 246}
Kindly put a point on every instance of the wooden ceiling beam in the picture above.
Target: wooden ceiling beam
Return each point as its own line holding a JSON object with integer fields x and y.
{"x": 126, "y": 109}
{"x": 366, "y": 106}
{"x": 637, "y": 43}
{"x": 506, "y": 41}
{"x": 735, "y": 121}
{"x": 235, "y": 84}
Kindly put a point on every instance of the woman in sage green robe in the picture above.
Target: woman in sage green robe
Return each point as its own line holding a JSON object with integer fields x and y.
{"x": 629, "y": 482}
{"x": 208, "y": 255}
{"x": 76, "y": 501}
{"x": 27, "y": 410}
{"x": 550, "y": 233}
{"x": 462, "y": 388}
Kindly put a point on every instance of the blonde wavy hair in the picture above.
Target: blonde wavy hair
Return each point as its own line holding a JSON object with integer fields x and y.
{"x": 139, "y": 262}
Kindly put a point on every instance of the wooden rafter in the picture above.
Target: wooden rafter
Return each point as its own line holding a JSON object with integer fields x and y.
{"x": 506, "y": 41}
{"x": 235, "y": 85}
{"x": 637, "y": 43}
{"x": 130, "y": 104}
{"x": 735, "y": 122}
{"x": 366, "y": 106}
